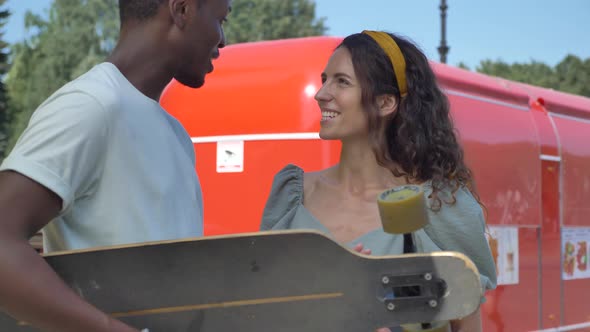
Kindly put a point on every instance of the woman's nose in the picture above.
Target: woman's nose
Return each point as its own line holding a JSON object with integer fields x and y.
{"x": 323, "y": 93}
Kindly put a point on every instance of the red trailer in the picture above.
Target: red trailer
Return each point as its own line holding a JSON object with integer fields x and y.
{"x": 527, "y": 146}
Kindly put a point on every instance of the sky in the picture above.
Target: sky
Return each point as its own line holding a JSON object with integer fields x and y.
{"x": 508, "y": 30}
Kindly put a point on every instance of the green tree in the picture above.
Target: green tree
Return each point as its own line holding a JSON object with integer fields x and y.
{"x": 76, "y": 35}
{"x": 463, "y": 65}
{"x": 4, "y": 112}
{"x": 571, "y": 75}
{"x": 254, "y": 20}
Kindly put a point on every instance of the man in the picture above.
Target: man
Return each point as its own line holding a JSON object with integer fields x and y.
{"x": 101, "y": 163}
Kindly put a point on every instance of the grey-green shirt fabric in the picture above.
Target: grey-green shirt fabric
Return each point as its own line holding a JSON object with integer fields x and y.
{"x": 459, "y": 227}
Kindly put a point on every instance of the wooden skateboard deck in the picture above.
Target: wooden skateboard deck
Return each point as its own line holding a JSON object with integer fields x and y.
{"x": 273, "y": 281}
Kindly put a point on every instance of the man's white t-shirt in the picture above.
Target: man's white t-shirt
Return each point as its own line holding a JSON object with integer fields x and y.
{"x": 124, "y": 168}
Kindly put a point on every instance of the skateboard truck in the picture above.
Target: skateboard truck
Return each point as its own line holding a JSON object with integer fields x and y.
{"x": 413, "y": 290}
{"x": 403, "y": 211}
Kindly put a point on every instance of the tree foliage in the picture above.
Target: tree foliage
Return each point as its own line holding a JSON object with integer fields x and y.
{"x": 75, "y": 35}
{"x": 254, "y": 20}
{"x": 5, "y": 116}
{"x": 571, "y": 75}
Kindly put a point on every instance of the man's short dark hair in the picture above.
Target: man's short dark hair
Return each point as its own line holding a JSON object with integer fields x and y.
{"x": 138, "y": 9}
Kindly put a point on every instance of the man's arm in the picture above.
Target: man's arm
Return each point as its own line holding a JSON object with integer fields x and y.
{"x": 30, "y": 290}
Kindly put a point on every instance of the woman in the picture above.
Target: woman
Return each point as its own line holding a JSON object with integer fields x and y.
{"x": 380, "y": 98}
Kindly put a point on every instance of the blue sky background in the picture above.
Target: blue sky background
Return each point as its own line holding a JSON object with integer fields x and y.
{"x": 510, "y": 30}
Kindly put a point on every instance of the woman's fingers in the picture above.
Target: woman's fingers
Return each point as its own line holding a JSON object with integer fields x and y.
{"x": 361, "y": 249}
{"x": 358, "y": 247}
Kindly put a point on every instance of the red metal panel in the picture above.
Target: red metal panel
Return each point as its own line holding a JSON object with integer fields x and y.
{"x": 256, "y": 88}
{"x": 550, "y": 247}
{"x": 502, "y": 149}
{"x": 264, "y": 87}
{"x": 233, "y": 202}
{"x": 516, "y": 307}
{"x": 480, "y": 85}
{"x": 549, "y": 254}
{"x": 574, "y": 135}
{"x": 575, "y": 302}
{"x": 571, "y": 116}
{"x": 559, "y": 102}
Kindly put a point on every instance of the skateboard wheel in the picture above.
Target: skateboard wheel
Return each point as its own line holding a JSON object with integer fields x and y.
{"x": 428, "y": 276}
{"x": 433, "y": 303}
{"x": 390, "y": 306}
{"x": 402, "y": 209}
{"x": 385, "y": 280}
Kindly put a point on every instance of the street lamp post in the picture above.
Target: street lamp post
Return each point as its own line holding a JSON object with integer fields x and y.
{"x": 443, "y": 49}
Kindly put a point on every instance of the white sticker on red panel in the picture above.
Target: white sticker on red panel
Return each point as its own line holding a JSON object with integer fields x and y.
{"x": 575, "y": 244}
{"x": 504, "y": 246}
{"x": 230, "y": 157}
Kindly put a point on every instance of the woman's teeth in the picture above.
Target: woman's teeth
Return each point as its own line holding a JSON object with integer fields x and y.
{"x": 327, "y": 115}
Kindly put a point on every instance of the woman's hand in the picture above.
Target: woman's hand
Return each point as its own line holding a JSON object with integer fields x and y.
{"x": 468, "y": 324}
{"x": 361, "y": 249}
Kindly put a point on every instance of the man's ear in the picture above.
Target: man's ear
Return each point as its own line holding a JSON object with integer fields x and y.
{"x": 387, "y": 104}
{"x": 178, "y": 12}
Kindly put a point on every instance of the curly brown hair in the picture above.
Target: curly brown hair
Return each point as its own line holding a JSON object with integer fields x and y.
{"x": 418, "y": 141}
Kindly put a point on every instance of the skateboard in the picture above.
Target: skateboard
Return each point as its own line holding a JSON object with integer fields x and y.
{"x": 270, "y": 281}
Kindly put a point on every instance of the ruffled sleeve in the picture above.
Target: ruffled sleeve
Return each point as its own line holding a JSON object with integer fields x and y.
{"x": 461, "y": 227}
{"x": 285, "y": 197}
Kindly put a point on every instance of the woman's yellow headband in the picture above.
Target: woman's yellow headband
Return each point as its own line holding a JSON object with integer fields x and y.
{"x": 395, "y": 55}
